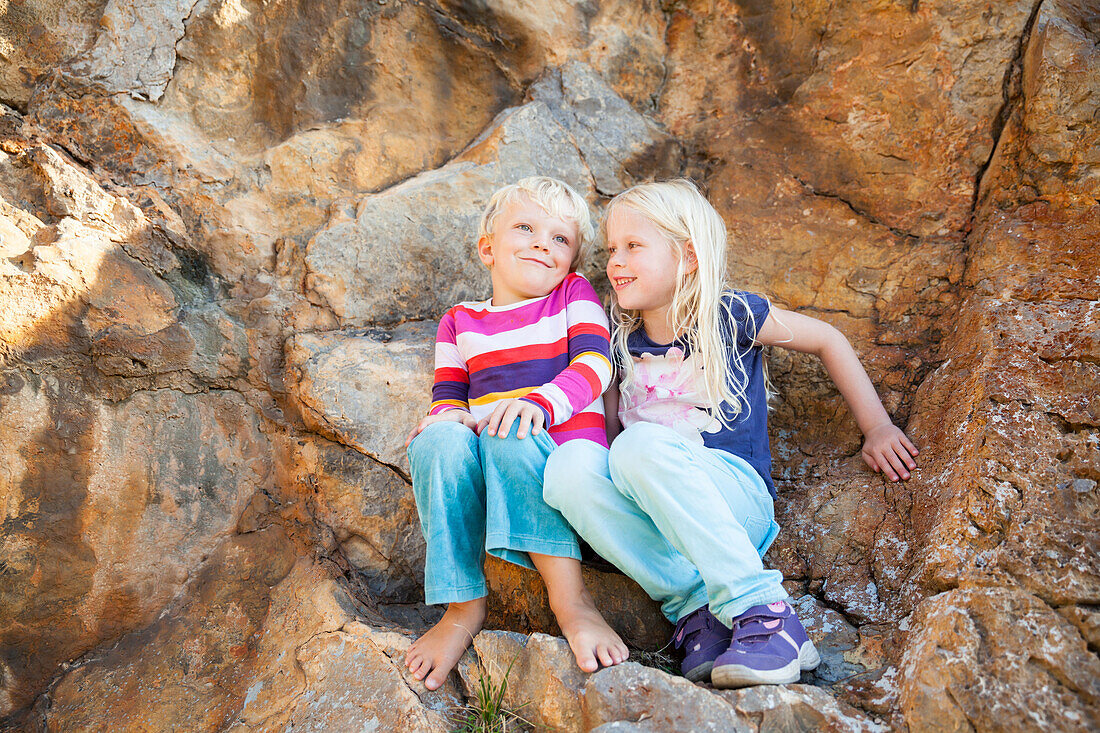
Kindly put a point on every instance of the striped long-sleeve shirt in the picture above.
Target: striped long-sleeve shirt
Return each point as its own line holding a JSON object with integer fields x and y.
{"x": 552, "y": 351}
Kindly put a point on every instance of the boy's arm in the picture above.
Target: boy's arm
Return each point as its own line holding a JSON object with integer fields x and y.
{"x": 886, "y": 448}
{"x": 575, "y": 387}
{"x": 451, "y": 388}
{"x": 589, "y": 349}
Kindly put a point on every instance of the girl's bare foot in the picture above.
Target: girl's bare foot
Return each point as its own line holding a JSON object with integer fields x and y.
{"x": 593, "y": 642}
{"x": 435, "y": 654}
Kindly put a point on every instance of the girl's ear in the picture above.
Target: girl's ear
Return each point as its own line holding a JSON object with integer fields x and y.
{"x": 485, "y": 251}
{"x": 691, "y": 262}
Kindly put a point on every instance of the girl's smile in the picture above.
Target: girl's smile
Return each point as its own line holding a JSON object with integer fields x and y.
{"x": 643, "y": 265}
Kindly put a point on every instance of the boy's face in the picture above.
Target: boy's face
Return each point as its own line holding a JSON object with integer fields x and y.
{"x": 529, "y": 252}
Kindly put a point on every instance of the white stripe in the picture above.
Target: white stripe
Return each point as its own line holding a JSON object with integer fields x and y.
{"x": 791, "y": 641}
{"x": 585, "y": 311}
{"x": 553, "y": 394}
{"x": 545, "y": 330}
{"x": 447, "y": 355}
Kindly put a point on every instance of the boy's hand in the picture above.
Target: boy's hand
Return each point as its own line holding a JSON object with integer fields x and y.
{"x": 886, "y": 448}
{"x": 506, "y": 411}
{"x": 449, "y": 416}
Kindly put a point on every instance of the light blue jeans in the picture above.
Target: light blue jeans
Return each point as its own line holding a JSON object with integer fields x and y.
{"x": 481, "y": 494}
{"x": 689, "y": 524}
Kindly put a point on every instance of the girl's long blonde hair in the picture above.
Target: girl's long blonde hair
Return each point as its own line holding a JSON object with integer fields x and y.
{"x": 699, "y": 313}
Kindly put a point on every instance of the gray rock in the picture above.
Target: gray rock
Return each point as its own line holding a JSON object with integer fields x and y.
{"x": 135, "y": 51}
{"x": 365, "y": 391}
{"x": 409, "y": 251}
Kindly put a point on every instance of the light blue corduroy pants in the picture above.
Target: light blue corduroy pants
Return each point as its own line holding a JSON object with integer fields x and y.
{"x": 481, "y": 494}
{"x": 688, "y": 523}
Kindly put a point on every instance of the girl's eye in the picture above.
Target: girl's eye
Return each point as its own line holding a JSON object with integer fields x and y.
{"x": 524, "y": 227}
{"x": 632, "y": 245}
{"x": 611, "y": 250}
{"x": 562, "y": 239}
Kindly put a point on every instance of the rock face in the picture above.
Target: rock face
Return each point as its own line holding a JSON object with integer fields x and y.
{"x": 552, "y": 692}
{"x": 227, "y": 229}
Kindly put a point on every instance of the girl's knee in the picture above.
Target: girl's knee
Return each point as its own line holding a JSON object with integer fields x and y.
{"x": 638, "y": 445}
{"x": 571, "y": 470}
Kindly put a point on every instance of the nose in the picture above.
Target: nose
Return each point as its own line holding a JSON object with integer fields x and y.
{"x": 540, "y": 243}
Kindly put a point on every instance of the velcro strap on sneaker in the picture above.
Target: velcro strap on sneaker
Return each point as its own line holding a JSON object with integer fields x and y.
{"x": 690, "y": 624}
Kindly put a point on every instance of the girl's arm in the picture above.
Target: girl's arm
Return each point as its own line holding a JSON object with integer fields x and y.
{"x": 611, "y": 412}
{"x": 885, "y": 447}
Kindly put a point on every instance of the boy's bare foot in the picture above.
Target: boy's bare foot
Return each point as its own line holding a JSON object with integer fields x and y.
{"x": 435, "y": 654}
{"x": 593, "y": 642}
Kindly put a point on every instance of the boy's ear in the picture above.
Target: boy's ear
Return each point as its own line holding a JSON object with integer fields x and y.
{"x": 485, "y": 251}
{"x": 691, "y": 262}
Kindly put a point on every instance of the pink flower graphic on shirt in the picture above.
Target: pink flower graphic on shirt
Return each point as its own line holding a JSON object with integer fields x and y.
{"x": 668, "y": 390}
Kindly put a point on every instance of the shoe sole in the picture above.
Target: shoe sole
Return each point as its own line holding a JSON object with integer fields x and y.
{"x": 700, "y": 673}
{"x": 808, "y": 658}
{"x": 729, "y": 676}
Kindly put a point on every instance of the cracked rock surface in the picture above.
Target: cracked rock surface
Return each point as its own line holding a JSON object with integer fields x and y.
{"x": 227, "y": 229}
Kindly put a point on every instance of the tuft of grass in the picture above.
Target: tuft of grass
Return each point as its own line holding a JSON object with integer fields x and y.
{"x": 486, "y": 711}
{"x": 659, "y": 659}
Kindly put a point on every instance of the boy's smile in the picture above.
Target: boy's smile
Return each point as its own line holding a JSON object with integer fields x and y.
{"x": 529, "y": 252}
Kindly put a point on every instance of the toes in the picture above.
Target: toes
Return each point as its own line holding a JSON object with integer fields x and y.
{"x": 586, "y": 660}
{"x": 435, "y": 680}
{"x": 605, "y": 657}
{"x": 420, "y": 669}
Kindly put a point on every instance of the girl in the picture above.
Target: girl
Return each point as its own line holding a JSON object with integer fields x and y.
{"x": 682, "y": 502}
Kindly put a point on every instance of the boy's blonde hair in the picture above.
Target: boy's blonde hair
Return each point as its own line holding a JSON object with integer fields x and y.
{"x": 558, "y": 199}
{"x": 699, "y": 313}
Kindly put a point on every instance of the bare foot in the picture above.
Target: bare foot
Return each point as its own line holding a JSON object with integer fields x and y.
{"x": 435, "y": 653}
{"x": 593, "y": 642}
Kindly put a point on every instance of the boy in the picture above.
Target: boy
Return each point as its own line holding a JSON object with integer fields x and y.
{"x": 534, "y": 356}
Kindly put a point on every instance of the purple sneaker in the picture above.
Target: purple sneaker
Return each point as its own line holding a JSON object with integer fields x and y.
{"x": 702, "y": 637}
{"x": 769, "y": 647}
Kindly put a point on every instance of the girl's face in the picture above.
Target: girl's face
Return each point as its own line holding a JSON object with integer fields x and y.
{"x": 642, "y": 262}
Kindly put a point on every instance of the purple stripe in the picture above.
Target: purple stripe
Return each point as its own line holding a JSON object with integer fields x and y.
{"x": 588, "y": 342}
{"x": 507, "y": 377}
{"x": 449, "y": 391}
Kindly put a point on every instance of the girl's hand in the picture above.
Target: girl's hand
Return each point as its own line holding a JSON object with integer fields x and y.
{"x": 506, "y": 411}
{"x": 449, "y": 416}
{"x": 887, "y": 449}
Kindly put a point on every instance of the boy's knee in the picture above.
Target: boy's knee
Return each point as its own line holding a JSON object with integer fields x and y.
{"x": 441, "y": 440}
{"x": 495, "y": 445}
